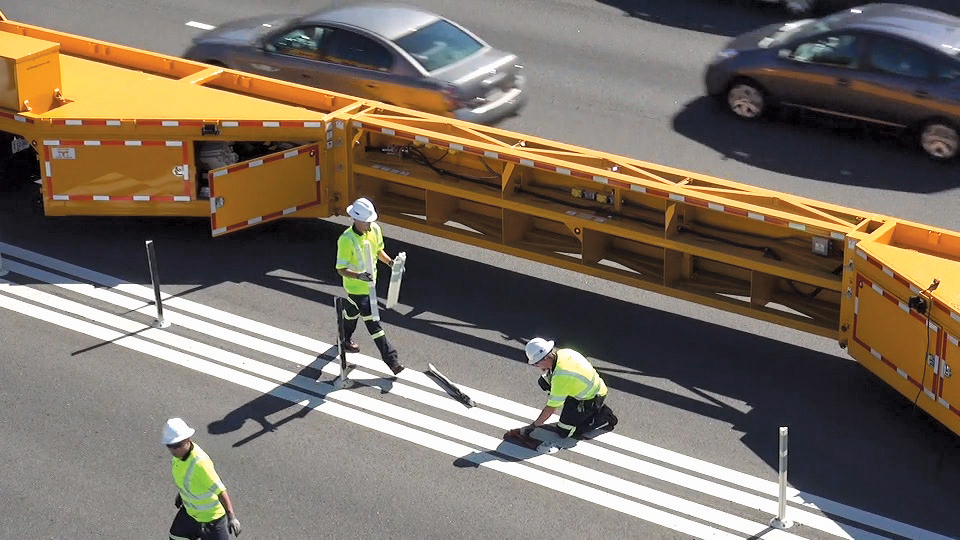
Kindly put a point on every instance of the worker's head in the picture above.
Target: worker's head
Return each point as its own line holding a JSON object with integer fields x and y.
{"x": 363, "y": 213}
{"x": 176, "y": 436}
{"x": 540, "y": 353}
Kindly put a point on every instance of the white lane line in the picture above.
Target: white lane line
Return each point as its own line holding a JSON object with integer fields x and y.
{"x": 663, "y": 455}
{"x": 516, "y": 469}
{"x": 281, "y": 376}
{"x": 681, "y": 479}
{"x": 200, "y": 25}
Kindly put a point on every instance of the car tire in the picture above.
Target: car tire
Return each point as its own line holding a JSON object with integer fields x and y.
{"x": 940, "y": 140}
{"x": 746, "y": 99}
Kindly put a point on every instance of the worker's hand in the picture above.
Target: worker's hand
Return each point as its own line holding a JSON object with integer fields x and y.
{"x": 365, "y": 276}
{"x": 234, "y": 525}
{"x": 178, "y": 502}
{"x": 527, "y": 430}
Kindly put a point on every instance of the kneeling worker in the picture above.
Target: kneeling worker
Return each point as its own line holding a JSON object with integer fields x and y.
{"x": 573, "y": 384}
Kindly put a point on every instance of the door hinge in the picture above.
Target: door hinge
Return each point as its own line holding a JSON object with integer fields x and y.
{"x": 946, "y": 371}
{"x": 218, "y": 202}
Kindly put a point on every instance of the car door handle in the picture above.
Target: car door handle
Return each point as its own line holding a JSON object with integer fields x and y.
{"x": 921, "y": 93}
{"x": 371, "y": 85}
{"x": 843, "y": 82}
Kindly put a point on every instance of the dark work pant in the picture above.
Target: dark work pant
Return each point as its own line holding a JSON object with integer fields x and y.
{"x": 185, "y": 527}
{"x": 357, "y": 306}
{"x": 579, "y": 417}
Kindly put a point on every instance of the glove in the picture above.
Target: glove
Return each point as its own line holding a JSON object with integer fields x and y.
{"x": 178, "y": 502}
{"x": 365, "y": 276}
{"x": 527, "y": 430}
{"x": 234, "y": 525}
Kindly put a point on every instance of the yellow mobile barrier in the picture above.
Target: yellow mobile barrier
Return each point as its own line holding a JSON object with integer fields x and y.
{"x": 120, "y": 131}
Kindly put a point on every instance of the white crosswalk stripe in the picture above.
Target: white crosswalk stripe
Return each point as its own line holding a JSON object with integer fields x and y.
{"x": 626, "y": 494}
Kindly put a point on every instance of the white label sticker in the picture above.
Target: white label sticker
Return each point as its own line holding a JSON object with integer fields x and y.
{"x": 64, "y": 153}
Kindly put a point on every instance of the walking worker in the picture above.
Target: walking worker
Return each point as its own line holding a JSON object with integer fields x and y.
{"x": 206, "y": 512}
{"x": 358, "y": 250}
{"x": 574, "y": 385}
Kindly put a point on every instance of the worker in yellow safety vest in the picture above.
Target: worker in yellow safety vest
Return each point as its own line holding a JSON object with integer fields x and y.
{"x": 358, "y": 250}
{"x": 574, "y": 385}
{"x": 206, "y": 511}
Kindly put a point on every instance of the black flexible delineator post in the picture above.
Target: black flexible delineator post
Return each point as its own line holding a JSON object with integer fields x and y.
{"x": 155, "y": 279}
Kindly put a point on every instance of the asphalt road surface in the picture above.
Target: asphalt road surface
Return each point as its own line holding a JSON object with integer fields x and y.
{"x": 86, "y": 382}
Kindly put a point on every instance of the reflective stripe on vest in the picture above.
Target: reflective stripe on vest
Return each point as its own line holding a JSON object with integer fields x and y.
{"x": 360, "y": 264}
{"x": 592, "y": 384}
{"x": 204, "y": 506}
{"x": 573, "y": 376}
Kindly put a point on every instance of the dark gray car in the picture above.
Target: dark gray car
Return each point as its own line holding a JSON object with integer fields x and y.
{"x": 390, "y": 53}
{"x": 889, "y": 64}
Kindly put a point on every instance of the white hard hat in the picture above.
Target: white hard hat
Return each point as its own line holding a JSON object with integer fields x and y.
{"x": 362, "y": 210}
{"x": 537, "y": 348}
{"x": 176, "y": 430}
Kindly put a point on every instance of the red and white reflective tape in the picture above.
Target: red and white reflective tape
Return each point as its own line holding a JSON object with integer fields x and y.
{"x": 125, "y": 198}
{"x": 937, "y": 372}
{"x": 269, "y": 159}
{"x": 87, "y": 122}
{"x": 176, "y": 123}
{"x": 170, "y": 123}
{"x": 217, "y": 231}
{"x": 270, "y": 124}
{"x": 58, "y": 142}
{"x": 661, "y": 193}
{"x": 17, "y": 117}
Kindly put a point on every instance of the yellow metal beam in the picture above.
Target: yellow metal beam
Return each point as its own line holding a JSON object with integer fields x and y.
{"x": 120, "y": 131}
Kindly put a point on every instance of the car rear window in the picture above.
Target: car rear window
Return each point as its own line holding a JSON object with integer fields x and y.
{"x": 438, "y": 44}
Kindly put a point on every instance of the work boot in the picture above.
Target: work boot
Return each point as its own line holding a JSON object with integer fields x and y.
{"x": 396, "y": 368}
{"x": 611, "y": 419}
{"x": 350, "y": 346}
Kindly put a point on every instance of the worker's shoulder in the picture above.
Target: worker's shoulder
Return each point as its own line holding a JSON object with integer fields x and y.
{"x": 571, "y": 354}
{"x": 345, "y": 236}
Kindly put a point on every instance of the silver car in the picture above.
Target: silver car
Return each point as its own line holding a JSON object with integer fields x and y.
{"x": 395, "y": 54}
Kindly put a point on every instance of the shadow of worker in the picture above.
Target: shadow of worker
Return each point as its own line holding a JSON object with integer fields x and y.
{"x": 299, "y": 394}
{"x": 305, "y": 391}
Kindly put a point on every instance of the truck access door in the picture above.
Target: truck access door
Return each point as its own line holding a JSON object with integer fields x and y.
{"x": 264, "y": 189}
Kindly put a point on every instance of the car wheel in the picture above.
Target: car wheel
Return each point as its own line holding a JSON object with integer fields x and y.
{"x": 940, "y": 140}
{"x": 746, "y": 100}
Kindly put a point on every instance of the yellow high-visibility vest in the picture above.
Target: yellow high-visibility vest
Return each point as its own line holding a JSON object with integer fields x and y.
{"x": 199, "y": 485}
{"x": 574, "y": 376}
{"x": 350, "y": 255}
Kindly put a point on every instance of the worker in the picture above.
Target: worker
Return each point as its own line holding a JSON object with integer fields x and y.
{"x": 358, "y": 250}
{"x": 574, "y": 385}
{"x": 205, "y": 509}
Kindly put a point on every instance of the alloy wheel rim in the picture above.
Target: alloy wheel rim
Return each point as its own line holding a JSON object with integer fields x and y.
{"x": 940, "y": 141}
{"x": 745, "y": 101}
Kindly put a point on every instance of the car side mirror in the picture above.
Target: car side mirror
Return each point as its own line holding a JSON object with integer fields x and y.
{"x": 785, "y": 53}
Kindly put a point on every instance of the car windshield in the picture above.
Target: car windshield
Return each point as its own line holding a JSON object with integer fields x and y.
{"x": 438, "y": 44}
{"x": 806, "y": 28}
